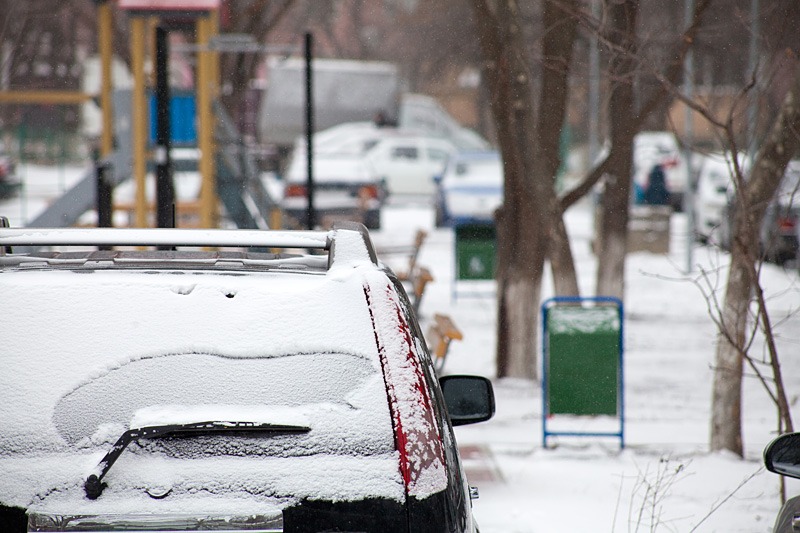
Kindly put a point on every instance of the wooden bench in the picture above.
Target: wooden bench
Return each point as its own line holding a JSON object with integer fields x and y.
{"x": 410, "y": 272}
{"x": 440, "y": 334}
{"x": 420, "y": 280}
{"x": 414, "y": 276}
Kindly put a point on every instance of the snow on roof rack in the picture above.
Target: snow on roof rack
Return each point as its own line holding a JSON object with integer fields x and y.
{"x": 358, "y": 247}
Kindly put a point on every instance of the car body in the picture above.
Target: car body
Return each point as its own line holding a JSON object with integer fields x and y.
{"x": 346, "y": 187}
{"x": 406, "y": 160}
{"x": 651, "y": 148}
{"x": 180, "y": 388}
{"x": 714, "y": 188}
{"x": 470, "y": 189}
{"x": 9, "y": 182}
{"x": 780, "y": 232}
{"x": 409, "y": 163}
{"x": 350, "y": 138}
{"x": 779, "y": 235}
{"x": 782, "y": 456}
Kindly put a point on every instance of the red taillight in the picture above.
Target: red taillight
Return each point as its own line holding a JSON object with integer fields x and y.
{"x": 295, "y": 190}
{"x": 369, "y": 192}
{"x": 786, "y": 224}
{"x": 416, "y": 431}
{"x": 670, "y": 162}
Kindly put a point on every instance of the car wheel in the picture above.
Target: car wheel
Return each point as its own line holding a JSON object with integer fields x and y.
{"x": 372, "y": 219}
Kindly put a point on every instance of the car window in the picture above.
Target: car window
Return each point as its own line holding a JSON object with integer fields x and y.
{"x": 87, "y": 381}
{"x": 405, "y": 152}
{"x": 189, "y": 347}
{"x": 324, "y": 390}
{"x": 436, "y": 154}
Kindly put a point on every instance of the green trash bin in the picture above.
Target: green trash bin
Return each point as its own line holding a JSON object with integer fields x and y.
{"x": 582, "y": 348}
{"x": 476, "y": 251}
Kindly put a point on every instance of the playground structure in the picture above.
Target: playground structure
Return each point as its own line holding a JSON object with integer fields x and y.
{"x": 228, "y": 171}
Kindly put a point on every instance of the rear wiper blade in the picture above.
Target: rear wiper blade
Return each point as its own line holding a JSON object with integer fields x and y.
{"x": 94, "y": 485}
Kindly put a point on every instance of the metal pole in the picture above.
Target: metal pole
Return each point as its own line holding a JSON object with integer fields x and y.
{"x": 688, "y": 198}
{"x": 165, "y": 190}
{"x": 103, "y": 202}
{"x": 310, "y": 222}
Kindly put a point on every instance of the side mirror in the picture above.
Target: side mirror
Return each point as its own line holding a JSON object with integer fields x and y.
{"x": 782, "y": 455}
{"x": 469, "y": 399}
{"x": 437, "y": 179}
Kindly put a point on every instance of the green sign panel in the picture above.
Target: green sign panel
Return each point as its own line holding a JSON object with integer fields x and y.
{"x": 583, "y": 360}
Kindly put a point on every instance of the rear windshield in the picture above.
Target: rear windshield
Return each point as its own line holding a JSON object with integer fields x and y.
{"x": 323, "y": 391}
{"x": 87, "y": 356}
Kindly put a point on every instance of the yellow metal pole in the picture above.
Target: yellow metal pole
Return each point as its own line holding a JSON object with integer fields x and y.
{"x": 205, "y": 87}
{"x": 104, "y": 31}
{"x": 44, "y": 97}
{"x": 139, "y": 112}
{"x": 275, "y": 218}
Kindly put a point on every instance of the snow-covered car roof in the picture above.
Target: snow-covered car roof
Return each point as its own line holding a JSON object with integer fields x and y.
{"x": 333, "y": 168}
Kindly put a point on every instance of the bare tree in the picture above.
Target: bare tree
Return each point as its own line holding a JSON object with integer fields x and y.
{"x": 253, "y": 17}
{"x": 744, "y": 313}
{"x": 613, "y": 223}
{"x": 529, "y": 145}
{"x": 752, "y": 198}
{"x": 628, "y": 111}
{"x": 43, "y": 46}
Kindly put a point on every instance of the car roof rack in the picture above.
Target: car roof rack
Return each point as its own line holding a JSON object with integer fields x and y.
{"x": 351, "y": 239}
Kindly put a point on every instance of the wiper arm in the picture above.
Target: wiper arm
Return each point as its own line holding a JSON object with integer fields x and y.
{"x": 94, "y": 485}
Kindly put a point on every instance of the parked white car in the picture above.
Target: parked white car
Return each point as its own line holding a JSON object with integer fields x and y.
{"x": 346, "y": 187}
{"x": 471, "y": 189}
{"x": 714, "y": 187}
{"x": 405, "y": 160}
{"x": 409, "y": 163}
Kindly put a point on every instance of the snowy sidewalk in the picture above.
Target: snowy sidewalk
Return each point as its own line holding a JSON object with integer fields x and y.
{"x": 479, "y": 465}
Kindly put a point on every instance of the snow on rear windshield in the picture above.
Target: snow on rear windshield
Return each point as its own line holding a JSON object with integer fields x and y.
{"x": 88, "y": 355}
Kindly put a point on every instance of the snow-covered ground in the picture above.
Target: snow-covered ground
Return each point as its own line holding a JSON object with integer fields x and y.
{"x": 665, "y": 479}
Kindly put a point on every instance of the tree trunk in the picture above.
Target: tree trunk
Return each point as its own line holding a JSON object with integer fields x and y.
{"x": 521, "y": 220}
{"x": 612, "y": 230}
{"x": 726, "y": 405}
{"x": 562, "y": 262}
{"x": 519, "y": 280}
{"x": 531, "y": 158}
{"x": 560, "y": 27}
{"x": 752, "y": 198}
